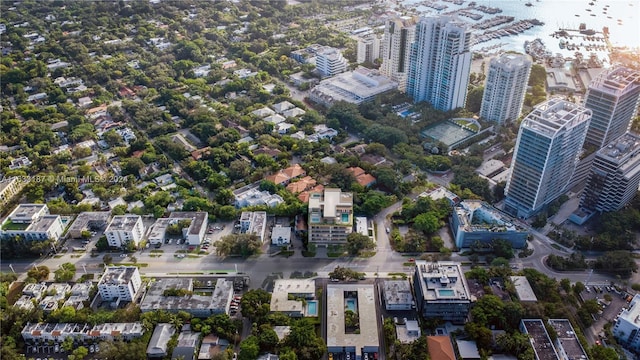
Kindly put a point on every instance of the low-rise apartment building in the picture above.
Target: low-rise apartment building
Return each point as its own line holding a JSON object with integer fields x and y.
{"x": 442, "y": 291}
{"x": 120, "y": 283}
{"x": 44, "y": 332}
{"x": 124, "y": 229}
{"x": 32, "y": 222}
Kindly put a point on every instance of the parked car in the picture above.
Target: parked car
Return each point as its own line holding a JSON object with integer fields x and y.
{"x": 92, "y": 349}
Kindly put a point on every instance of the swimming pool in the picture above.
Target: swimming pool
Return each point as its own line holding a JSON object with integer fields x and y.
{"x": 312, "y": 308}
{"x": 446, "y": 292}
{"x": 351, "y": 304}
{"x": 405, "y": 113}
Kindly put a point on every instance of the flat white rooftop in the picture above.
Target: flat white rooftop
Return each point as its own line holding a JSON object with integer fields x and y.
{"x": 523, "y": 288}
{"x": 366, "y": 309}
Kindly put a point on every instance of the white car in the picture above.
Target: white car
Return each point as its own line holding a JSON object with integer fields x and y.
{"x": 91, "y": 349}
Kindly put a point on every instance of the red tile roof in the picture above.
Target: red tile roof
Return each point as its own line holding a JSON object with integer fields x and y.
{"x": 294, "y": 171}
{"x": 440, "y": 348}
{"x": 366, "y": 179}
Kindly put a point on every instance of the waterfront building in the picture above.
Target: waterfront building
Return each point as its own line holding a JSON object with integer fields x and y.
{"x": 330, "y": 217}
{"x": 330, "y": 62}
{"x": 124, "y": 229}
{"x": 355, "y": 87}
{"x": 398, "y": 36}
{"x": 545, "y": 156}
{"x": 368, "y": 48}
{"x": 627, "y": 325}
{"x": 119, "y": 283}
{"x": 613, "y": 99}
{"x": 440, "y": 63}
{"x": 505, "y": 88}
{"x": 441, "y": 291}
{"x": 615, "y": 175}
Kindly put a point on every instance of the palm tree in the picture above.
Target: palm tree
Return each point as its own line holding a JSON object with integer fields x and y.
{"x": 176, "y": 321}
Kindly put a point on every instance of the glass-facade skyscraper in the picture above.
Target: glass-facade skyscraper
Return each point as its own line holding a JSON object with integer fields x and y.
{"x": 545, "y": 155}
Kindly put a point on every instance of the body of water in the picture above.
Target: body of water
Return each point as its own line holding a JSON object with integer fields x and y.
{"x": 620, "y": 16}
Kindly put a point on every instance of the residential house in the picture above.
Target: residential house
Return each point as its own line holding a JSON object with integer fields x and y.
{"x": 283, "y": 106}
{"x": 440, "y": 348}
{"x": 158, "y": 345}
{"x": 363, "y": 178}
{"x": 284, "y": 177}
{"x": 187, "y": 346}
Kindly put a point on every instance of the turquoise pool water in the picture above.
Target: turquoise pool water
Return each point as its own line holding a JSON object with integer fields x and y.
{"x": 446, "y": 292}
{"x": 351, "y": 304}
{"x": 345, "y": 218}
{"x": 406, "y": 113}
{"x": 312, "y": 308}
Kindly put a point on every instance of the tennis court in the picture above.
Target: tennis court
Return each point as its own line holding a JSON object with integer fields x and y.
{"x": 447, "y": 133}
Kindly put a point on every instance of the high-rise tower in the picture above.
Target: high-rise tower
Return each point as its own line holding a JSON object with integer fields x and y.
{"x": 396, "y": 45}
{"x": 505, "y": 88}
{"x": 546, "y": 153}
{"x": 613, "y": 99}
{"x": 368, "y": 48}
{"x": 440, "y": 63}
{"x": 615, "y": 175}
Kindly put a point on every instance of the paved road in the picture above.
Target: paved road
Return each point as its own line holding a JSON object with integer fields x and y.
{"x": 385, "y": 260}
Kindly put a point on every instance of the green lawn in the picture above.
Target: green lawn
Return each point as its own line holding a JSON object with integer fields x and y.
{"x": 8, "y": 225}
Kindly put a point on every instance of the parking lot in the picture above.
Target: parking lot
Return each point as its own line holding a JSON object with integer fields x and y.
{"x": 609, "y": 310}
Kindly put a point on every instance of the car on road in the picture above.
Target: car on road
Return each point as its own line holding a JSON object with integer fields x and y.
{"x": 123, "y": 255}
{"x": 412, "y": 260}
{"x": 388, "y": 230}
{"x": 56, "y": 348}
{"x": 235, "y": 356}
